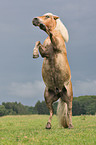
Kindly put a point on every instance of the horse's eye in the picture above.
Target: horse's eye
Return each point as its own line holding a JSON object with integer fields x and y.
{"x": 47, "y": 16}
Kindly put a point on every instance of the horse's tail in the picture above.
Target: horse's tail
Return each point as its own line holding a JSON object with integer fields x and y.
{"x": 62, "y": 113}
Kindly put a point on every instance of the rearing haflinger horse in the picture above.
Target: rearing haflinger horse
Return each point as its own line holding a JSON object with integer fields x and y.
{"x": 55, "y": 70}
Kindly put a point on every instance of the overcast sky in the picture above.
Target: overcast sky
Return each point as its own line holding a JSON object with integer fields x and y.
{"x": 20, "y": 74}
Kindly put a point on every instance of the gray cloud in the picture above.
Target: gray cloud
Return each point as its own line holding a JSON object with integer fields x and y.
{"x": 28, "y": 91}
{"x": 87, "y": 87}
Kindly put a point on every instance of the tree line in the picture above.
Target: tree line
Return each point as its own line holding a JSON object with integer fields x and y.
{"x": 81, "y": 105}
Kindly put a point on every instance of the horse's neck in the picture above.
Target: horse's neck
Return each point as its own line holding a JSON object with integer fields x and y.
{"x": 58, "y": 34}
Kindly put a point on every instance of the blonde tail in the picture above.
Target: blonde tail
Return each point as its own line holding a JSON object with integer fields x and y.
{"x": 62, "y": 113}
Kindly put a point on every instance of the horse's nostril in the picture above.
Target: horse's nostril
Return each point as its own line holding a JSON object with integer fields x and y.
{"x": 35, "y": 18}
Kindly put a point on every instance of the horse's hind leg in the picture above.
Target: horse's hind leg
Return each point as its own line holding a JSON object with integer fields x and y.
{"x": 70, "y": 114}
{"x": 69, "y": 98}
{"x": 50, "y": 97}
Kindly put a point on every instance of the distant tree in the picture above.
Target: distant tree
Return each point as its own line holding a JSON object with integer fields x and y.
{"x": 41, "y": 107}
{"x": 81, "y": 105}
{"x": 84, "y": 105}
{"x": 14, "y": 108}
{"x": 75, "y": 108}
{"x": 3, "y": 110}
{"x": 91, "y": 109}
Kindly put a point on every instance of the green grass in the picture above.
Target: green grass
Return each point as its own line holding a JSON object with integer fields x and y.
{"x": 30, "y": 130}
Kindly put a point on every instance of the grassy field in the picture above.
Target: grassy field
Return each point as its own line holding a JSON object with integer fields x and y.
{"x": 30, "y": 130}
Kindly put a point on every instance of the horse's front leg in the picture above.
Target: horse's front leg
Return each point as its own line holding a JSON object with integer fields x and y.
{"x": 50, "y": 97}
{"x": 35, "y": 50}
{"x": 43, "y": 51}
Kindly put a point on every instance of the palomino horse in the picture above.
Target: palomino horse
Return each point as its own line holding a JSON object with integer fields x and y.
{"x": 55, "y": 70}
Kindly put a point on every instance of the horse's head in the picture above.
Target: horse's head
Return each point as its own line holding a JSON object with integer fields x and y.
{"x": 48, "y": 21}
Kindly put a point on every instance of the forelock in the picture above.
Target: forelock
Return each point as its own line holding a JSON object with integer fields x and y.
{"x": 48, "y": 14}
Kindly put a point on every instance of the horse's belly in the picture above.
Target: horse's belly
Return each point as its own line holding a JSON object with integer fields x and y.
{"x": 55, "y": 75}
{"x": 52, "y": 79}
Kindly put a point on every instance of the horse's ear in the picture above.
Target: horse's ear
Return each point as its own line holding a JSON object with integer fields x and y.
{"x": 56, "y": 17}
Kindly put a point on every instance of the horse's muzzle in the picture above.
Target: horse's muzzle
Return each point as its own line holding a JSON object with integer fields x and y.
{"x": 36, "y": 22}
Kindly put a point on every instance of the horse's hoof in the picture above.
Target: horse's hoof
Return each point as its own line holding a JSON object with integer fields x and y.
{"x": 35, "y": 50}
{"x": 70, "y": 126}
{"x": 48, "y": 126}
